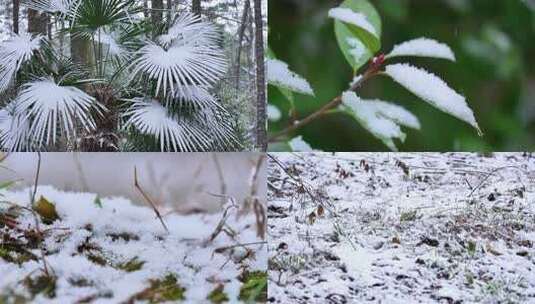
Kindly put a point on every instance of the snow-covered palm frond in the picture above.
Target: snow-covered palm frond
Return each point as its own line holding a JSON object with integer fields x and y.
{"x": 190, "y": 29}
{"x": 50, "y": 107}
{"x": 179, "y": 65}
{"x": 423, "y": 47}
{"x": 63, "y": 7}
{"x": 197, "y": 96}
{"x": 188, "y": 54}
{"x": 382, "y": 119}
{"x": 433, "y": 90}
{"x": 14, "y": 130}
{"x": 111, "y": 41}
{"x": 13, "y": 53}
{"x": 278, "y": 74}
{"x": 151, "y": 118}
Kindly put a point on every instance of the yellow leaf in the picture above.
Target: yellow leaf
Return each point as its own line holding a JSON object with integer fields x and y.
{"x": 46, "y": 210}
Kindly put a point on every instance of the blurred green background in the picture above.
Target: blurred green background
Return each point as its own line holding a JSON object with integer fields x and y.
{"x": 494, "y": 42}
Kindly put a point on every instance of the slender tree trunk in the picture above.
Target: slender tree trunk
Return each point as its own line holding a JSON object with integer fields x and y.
{"x": 261, "y": 132}
{"x": 16, "y": 10}
{"x": 146, "y": 8}
{"x": 157, "y": 12}
{"x": 169, "y": 10}
{"x": 37, "y": 22}
{"x": 241, "y": 32}
{"x": 196, "y": 7}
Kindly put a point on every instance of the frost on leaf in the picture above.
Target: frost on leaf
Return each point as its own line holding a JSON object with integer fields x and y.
{"x": 423, "y": 47}
{"x": 54, "y": 108}
{"x": 13, "y": 53}
{"x": 273, "y": 113}
{"x": 433, "y": 90}
{"x": 382, "y": 119}
{"x": 297, "y": 144}
{"x": 151, "y": 118}
{"x": 349, "y": 16}
{"x": 279, "y": 74}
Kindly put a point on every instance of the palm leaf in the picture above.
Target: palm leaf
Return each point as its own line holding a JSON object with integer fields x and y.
{"x": 53, "y": 108}
{"x": 63, "y": 7}
{"x": 149, "y": 117}
{"x": 13, "y": 53}
{"x": 187, "y": 55}
{"x": 14, "y": 130}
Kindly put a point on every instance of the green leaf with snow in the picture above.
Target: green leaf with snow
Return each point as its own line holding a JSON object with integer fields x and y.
{"x": 357, "y": 43}
{"x": 381, "y": 118}
{"x": 433, "y": 90}
{"x": 422, "y": 47}
{"x": 298, "y": 144}
{"x": 279, "y": 74}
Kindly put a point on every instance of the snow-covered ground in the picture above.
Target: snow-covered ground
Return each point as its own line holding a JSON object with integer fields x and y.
{"x": 108, "y": 250}
{"x": 401, "y": 228}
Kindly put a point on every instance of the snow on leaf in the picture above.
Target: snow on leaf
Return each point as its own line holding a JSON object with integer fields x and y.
{"x": 51, "y": 6}
{"x": 190, "y": 29}
{"x": 13, "y": 53}
{"x": 196, "y": 95}
{"x": 111, "y": 42}
{"x": 433, "y": 90}
{"x": 423, "y": 47}
{"x": 179, "y": 65}
{"x": 349, "y": 16}
{"x": 50, "y": 107}
{"x": 273, "y": 113}
{"x": 150, "y": 117}
{"x": 382, "y": 119}
{"x": 14, "y": 130}
{"x": 394, "y": 112}
{"x": 298, "y": 144}
{"x": 278, "y": 74}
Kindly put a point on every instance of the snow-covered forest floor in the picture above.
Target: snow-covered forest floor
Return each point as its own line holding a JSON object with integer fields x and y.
{"x": 401, "y": 228}
{"x": 79, "y": 248}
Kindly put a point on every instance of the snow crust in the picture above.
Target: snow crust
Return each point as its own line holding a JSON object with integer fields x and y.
{"x": 347, "y": 15}
{"x": 423, "y": 47}
{"x": 181, "y": 252}
{"x": 279, "y": 74}
{"x": 433, "y": 90}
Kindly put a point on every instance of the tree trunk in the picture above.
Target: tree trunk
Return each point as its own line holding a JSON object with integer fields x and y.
{"x": 157, "y": 10}
{"x": 196, "y": 7}
{"x": 261, "y": 132}
{"x": 146, "y": 8}
{"x": 37, "y": 22}
{"x": 81, "y": 51}
{"x": 241, "y": 32}
{"x": 169, "y": 10}
{"x": 16, "y": 10}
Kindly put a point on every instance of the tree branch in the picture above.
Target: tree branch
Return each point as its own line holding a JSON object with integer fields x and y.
{"x": 371, "y": 71}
